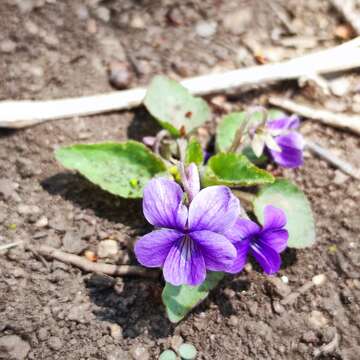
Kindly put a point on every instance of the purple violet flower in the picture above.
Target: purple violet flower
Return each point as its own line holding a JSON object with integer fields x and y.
{"x": 190, "y": 239}
{"x": 264, "y": 243}
{"x": 290, "y": 143}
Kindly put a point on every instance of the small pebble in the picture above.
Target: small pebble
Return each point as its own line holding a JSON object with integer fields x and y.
{"x": 42, "y": 222}
{"x": 103, "y": 14}
{"x": 319, "y": 279}
{"x": 42, "y": 334}
{"x": 278, "y": 308}
{"x": 137, "y": 22}
{"x": 317, "y": 320}
{"x": 340, "y": 178}
{"x": 120, "y": 75}
{"x": 28, "y": 209}
{"x": 176, "y": 341}
{"x": 275, "y": 286}
{"x": 206, "y": 28}
{"x": 139, "y": 353}
{"x": 285, "y": 279}
{"x": 7, "y": 46}
{"x": 233, "y": 321}
{"x": 55, "y": 343}
{"x": 107, "y": 248}
{"x": 115, "y": 331}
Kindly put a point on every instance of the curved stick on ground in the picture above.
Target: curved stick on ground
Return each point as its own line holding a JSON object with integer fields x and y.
{"x": 332, "y": 159}
{"x": 88, "y": 266}
{"x": 341, "y": 121}
{"x": 19, "y": 114}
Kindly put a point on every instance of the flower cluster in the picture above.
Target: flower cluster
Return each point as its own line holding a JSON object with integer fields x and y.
{"x": 206, "y": 234}
{"x": 280, "y": 140}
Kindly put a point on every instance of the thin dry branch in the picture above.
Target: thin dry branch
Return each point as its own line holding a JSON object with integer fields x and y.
{"x": 332, "y": 159}
{"x": 88, "y": 266}
{"x": 19, "y": 114}
{"x": 341, "y": 121}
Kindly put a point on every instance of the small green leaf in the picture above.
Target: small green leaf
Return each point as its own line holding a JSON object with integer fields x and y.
{"x": 289, "y": 198}
{"x": 187, "y": 351}
{"x": 167, "y": 355}
{"x": 234, "y": 170}
{"x": 194, "y": 152}
{"x": 120, "y": 168}
{"x": 226, "y": 131}
{"x": 174, "y": 107}
{"x": 179, "y": 300}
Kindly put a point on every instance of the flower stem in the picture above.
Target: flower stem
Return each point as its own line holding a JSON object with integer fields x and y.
{"x": 247, "y": 197}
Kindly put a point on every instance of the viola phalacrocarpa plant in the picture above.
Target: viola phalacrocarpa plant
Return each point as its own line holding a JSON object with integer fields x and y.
{"x": 212, "y": 208}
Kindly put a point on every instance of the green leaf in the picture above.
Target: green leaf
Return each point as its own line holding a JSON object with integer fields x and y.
{"x": 180, "y": 300}
{"x": 234, "y": 170}
{"x": 194, "y": 152}
{"x": 226, "y": 131}
{"x": 288, "y": 197}
{"x": 167, "y": 355}
{"x": 174, "y": 107}
{"x": 227, "y": 128}
{"x": 274, "y": 113}
{"x": 120, "y": 168}
{"x": 187, "y": 351}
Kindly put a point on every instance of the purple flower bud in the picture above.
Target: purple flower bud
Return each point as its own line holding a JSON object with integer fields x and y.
{"x": 191, "y": 181}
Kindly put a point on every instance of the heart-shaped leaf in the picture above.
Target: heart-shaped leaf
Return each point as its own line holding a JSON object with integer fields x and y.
{"x": 174, "y": 107}
{"x": 289, "y": 198}
{"x": 180, "y": 300}
{"x": 194, "y": 152}
{"x": 234, "y": 170}
{"x": 120, "y": 168}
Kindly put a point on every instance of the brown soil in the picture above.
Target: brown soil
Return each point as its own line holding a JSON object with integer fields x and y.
{"x": 55, "y": 49}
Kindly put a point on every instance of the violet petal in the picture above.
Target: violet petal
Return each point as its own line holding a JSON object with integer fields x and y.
{"x": 291, "y": 154}
{"x": 242, "y": 250}
{"x": 266, "y": 256}
{"x": 162, "y": 204}
{"x": 285, "y": 123}
{"x": 214, "y": 208}
{"x": 218, "y": 252}
{"x": 152, "y": 249}
{"x": 242, "y": 229}
{"x": 274, "y": 217}
{"x": 184, "y": 264}
{"x": 277, "y": 239}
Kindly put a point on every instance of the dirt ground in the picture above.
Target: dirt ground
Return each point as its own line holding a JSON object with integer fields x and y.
{"x": 50, "y": 310}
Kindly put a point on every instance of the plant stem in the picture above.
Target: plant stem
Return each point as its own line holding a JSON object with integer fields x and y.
{"x": 245, "y": 196}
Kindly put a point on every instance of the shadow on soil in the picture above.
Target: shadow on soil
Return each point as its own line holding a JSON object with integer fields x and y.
{"x": 135, "y": 305}
{"x": 142, "y": 124}
{"x": 6, "y": 133}
{"x": 75, "y": 188}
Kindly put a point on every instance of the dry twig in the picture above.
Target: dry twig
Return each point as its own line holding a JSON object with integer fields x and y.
{"x": 346, "y": 8}
{"x": 88, "y": 266}
{"x": 317, "y": 280}
{"x": 332, "y": 159}
{"x": 329, "y": 348}
{"x": 341, "y": 121}
{"x": 19, "y": 114}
